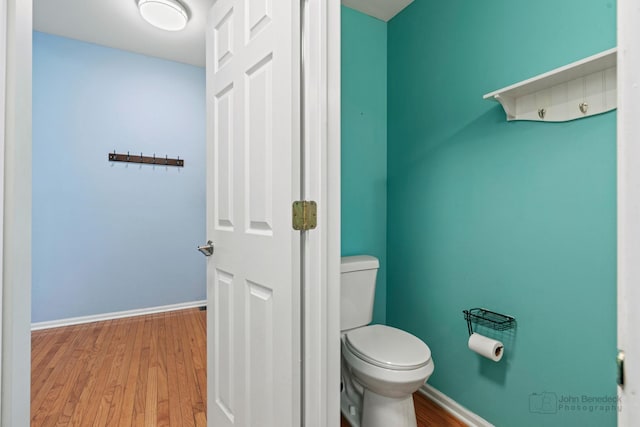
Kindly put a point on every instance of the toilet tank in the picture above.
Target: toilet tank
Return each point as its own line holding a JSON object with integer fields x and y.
{"x": 357, "y": 290}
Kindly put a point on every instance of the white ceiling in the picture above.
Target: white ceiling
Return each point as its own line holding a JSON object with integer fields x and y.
{"x": 381, "y": 9}
{"x": 118, "y": 24}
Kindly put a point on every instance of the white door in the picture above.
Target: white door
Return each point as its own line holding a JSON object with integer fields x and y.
{"x": 253, "y": 176}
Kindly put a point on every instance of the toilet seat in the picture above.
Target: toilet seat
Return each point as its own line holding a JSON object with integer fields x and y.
{"x": 388, "y": 347}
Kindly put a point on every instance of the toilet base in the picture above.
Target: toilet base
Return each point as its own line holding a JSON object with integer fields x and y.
{"x": 349, "y": 410}
{"x": 381, "y": 411}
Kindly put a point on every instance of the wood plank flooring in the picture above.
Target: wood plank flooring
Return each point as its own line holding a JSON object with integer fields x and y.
{"x": 138, "y": 371}
{"x": 428, "y": 414}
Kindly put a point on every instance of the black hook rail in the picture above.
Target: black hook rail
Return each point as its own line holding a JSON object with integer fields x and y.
{"x": 150, "y": 160}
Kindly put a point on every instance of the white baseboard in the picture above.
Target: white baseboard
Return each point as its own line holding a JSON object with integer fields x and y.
{"x": 115, "y": 315}
{"x": 454, "y": 408}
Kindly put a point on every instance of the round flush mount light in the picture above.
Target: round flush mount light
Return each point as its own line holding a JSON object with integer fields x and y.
{"x": 168, "y": 15}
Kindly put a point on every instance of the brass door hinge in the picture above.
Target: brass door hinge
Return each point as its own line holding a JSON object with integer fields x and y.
{"x": 305, "y": 215}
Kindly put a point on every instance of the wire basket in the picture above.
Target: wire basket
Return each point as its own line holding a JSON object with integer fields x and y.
{"x": 489, "y": 319}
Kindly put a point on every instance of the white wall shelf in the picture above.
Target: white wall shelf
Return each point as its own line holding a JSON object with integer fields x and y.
{"x": 581, "y": 89}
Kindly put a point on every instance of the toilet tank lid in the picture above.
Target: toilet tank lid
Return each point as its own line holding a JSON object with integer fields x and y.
{"x": 358, "y": 263}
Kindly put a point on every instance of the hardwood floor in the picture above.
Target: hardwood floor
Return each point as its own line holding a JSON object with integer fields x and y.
{"x": 138, "y": 371}
{"x": 428, "y": 414}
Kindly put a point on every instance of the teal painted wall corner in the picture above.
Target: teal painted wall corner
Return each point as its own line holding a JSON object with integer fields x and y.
{"x": 364, "y": 143}
{"x": 517, "y": 217}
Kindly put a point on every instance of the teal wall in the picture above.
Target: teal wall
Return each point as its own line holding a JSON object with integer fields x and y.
{"x": 364, "y": 143}
{"x": 518, "y": 217}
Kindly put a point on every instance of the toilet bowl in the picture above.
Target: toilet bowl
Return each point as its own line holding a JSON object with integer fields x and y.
{"x": 381, "y": 366}
{"x": 386, "y": 366}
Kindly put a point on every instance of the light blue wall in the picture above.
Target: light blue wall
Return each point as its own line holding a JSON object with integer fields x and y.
{"x": 110, "y": 236}
{"x": 518, "y": 217}
{"x": 364, "y": 143}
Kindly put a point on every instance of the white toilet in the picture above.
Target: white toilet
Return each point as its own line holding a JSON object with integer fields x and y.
{"x": 381, "y": 366}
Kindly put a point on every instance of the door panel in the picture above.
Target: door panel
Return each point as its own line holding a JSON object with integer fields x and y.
{"x": 259, "y": 334}
{"x": 223, "y": 114}
{"x": 223, "y": 346}
{"x": 259, "y": 16}
{"x": 259, "y": 148}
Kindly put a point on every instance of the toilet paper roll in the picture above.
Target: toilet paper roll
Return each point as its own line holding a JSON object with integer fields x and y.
{"x": 484, "y": 346}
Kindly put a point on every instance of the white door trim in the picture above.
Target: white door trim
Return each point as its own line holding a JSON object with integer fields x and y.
{"x": 3, "y": 58}
{"x": 628, "y": 141}
{"x": 16, "y": 274}
{"x": 322, "y": 184}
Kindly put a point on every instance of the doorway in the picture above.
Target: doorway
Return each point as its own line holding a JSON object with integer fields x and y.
{"x": 115, "y": 239}
{"x": 322, "y": 266}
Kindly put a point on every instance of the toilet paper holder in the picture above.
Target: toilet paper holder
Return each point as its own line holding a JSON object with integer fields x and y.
{"x": 488, "y": 318}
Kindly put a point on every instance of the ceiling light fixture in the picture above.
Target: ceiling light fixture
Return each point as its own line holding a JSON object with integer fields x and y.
{"x": 168, "y": 15}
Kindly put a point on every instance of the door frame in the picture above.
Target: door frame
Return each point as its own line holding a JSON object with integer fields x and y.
{"x": 322, "y": 276}
{"x": 3, "y": 73}
{"x": 16, "y": 219}
{"x": 628, "y": 174}
{"x": 321, "y": 183}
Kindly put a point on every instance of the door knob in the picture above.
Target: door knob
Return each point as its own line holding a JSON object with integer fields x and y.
{"x": 207, "y": 250}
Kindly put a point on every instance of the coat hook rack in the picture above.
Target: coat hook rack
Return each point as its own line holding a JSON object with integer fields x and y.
{"x": 150, "y": 160}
